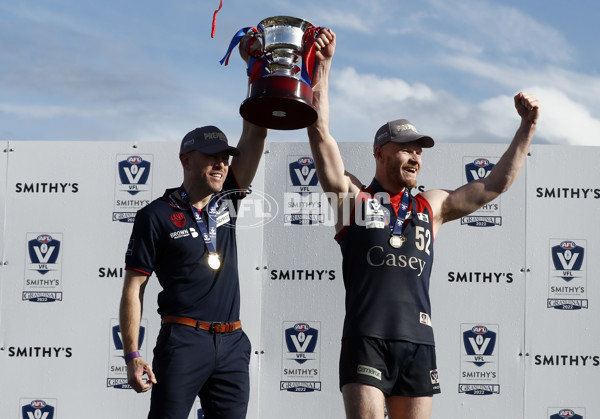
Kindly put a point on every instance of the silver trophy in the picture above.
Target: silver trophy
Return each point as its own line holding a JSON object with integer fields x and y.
{"x": 280, "y": 93}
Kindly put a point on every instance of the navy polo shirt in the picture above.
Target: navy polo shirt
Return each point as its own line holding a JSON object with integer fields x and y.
{"x": 165, "y": 240}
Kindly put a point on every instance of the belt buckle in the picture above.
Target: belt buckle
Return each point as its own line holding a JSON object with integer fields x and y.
{"x": 211, "y": 329}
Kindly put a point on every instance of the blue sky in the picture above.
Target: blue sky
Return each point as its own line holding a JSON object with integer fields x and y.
{"x": 149, "y": 71}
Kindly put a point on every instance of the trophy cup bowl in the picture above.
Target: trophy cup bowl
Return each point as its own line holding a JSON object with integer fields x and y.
{"x": 280, "y": 98}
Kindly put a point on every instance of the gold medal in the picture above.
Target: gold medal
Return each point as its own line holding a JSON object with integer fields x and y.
{"x": 213, "y": 261}
{"x": 397, "y": 241}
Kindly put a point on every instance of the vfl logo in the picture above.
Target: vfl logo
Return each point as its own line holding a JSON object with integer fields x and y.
{"x": 118, "y": 342}
{"x": 43, "y": 251}
{"x": 479, "y": 342}
{"x": 566, "y": 414}
{"x": 134, "y": 171}
{"x": 38, "y": 409}
{"x": 567, "y": 257}
{"x": 435, "y": 378}
{"x": 303, "y": 174}
{"x": 479, "y": 169}
{"x": 178, "y": 219}
{"x": 374, "y": 204}
{"x": 301, "y": 339}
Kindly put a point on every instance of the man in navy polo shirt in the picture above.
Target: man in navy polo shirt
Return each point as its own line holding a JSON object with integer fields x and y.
{"x": 187, "y": 239}
{"x": 388, "y": 352}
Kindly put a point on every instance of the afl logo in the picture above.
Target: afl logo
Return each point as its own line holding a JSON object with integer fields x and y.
{"x": 301, "y": 327}
{"x": 305, "y": 161}
{"x": 568, "y": 244}
{"x": 134, "y": 160}
{"x": 479, "y": 330}
{"x": 178, "y": 219}
{"x": 566, "y": 413}
{"x": 38, "y": 404}
{"x": 44, "y": 238}
{"x": 481, "y": 162}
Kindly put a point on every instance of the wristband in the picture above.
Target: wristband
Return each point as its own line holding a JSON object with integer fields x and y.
{"x": 131, "y": 356}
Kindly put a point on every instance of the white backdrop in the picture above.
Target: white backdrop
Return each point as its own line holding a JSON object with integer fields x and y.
{"x": 513, "y": 287}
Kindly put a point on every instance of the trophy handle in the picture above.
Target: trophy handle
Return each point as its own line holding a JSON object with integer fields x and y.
{"x": 309, "y": 53}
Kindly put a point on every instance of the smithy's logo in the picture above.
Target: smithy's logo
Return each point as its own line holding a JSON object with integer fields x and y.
{"x": 567, "y": 258}
{"x": 300, "y": 340}
{"x": 479, "y": 169}
{"x": 43, "y": 252}
{"x": 303, "y": 174}
{"x": 38, "y": 409}
{"x": 133, "y": 172}
{"x": 479, "y": 342}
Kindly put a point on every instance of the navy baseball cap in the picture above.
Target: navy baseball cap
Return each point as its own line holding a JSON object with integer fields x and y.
{"x": 207, "y": 140}
{"x": 401, "y": 131}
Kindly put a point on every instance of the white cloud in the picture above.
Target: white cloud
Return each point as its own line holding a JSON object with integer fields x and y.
{"x": 564, "y": 121}
{"x": 362, "y": 102}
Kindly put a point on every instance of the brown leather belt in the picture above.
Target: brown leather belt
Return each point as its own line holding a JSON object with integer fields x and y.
{"x": 212, "y": 327}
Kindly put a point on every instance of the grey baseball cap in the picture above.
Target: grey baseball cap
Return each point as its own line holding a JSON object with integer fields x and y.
{"x": 207, "y": 140}
{"x": 401, "y": 131}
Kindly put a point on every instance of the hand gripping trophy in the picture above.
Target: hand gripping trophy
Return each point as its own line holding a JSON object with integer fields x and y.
{"x": 280, "y": 71}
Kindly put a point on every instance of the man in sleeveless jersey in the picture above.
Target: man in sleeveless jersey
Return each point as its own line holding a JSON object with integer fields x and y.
{"x": 388, "y": 353}
{"x": 187, "y": 239}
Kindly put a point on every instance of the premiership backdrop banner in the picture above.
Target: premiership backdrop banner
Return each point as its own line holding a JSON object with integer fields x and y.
{"x": 513, "y": 286}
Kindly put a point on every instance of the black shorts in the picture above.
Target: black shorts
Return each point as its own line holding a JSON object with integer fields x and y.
{"x": 396, "y": 367}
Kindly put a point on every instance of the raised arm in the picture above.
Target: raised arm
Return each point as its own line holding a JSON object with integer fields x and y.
{"x": 251, "y": 146}
{"x": 325, "y": 151}
{"x": 450, "y": 205}
{"x": 252, "y": 140}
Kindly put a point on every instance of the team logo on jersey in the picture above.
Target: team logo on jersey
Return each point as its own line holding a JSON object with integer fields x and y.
{"x": 567, "y": 275}
{"x": 425, "y": 319}
{"x": 37, "y": 409}
{"x": 303, "y": 201}
{"x": 178, "y": 219}
{"x": 301, "y": 362}
{"x": 489, "y": 214}
{"x": 565, "y": 414}
{"x": 479, "y": 363}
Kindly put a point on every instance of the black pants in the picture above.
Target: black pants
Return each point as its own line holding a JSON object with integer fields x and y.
{"x": 189, "y": 363}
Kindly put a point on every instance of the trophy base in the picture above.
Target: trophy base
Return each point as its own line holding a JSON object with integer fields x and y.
{"x": 279, "y": 102}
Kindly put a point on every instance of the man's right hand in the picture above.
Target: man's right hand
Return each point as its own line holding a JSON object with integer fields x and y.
{"x": 136, "y": 369}
{"x": 325, "y": 44}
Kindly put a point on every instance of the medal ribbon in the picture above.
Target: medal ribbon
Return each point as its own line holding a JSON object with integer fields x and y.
{"x": 209, "y": 234}
{"x": 399, "y": 225}
{"x": 234, "y": 41}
